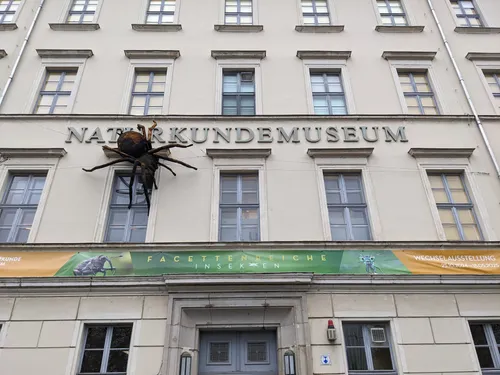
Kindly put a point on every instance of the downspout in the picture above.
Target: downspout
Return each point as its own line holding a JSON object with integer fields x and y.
{"x": 21, "y": 51}
{"x": 466, "y": 92}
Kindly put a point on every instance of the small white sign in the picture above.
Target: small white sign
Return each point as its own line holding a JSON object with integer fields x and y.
{"x": 325, "y": 359}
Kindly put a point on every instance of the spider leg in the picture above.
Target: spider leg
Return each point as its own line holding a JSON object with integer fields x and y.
{"x": 170, "y": 169}
{"x": 131, "y": 184}
{"x": 144, "y": 187}
{"x": 176, "y": 161}
{"x": 142, "y": 129}
{"x": 116, "y": 151}
{"x": 155, "y": 150}
{"x": 108, "y": 164}
{"x": 156, "y": 186}
{"x": 150, "y": 131}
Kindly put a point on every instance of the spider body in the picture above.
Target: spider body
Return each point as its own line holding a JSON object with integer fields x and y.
{"x": 136, "y": 148}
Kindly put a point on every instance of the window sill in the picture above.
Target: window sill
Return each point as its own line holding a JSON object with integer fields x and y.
{"x": 238, "y": 153}
{"x": 74, "y": 26}
{"x": 340, "y": 152}
{"x": 32, "y": 152}
{"x": 7, "y": 26}
{"x": 441, "y": 152}
{"x": 171, "y": 27}
{"x": 239, "y": 28}
{"x": 319, "y": 28}
{"x": 399, "y": 29}
{"x": 477, "y": 30}
{"x": 2, "y": 53}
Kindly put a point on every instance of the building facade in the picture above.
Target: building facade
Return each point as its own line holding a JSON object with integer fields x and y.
{"x": 332, "y": 205}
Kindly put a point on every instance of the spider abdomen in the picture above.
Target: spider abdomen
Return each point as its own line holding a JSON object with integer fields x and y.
{"x": 133, "y": 143}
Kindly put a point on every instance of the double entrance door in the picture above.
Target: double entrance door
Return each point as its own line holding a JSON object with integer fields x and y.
{"x": 238, "y": 353}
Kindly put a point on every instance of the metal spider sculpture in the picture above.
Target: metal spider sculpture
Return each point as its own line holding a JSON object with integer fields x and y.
{"x": 135, "y": 148}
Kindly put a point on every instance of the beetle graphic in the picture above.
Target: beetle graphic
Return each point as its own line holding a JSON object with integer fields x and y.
{"x": 93, "y": 266}
{"x": 369, "y": 262}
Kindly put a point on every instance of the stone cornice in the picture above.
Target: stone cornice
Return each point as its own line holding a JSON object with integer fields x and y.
{"x": 165, "y": 27}
{"x": 408, "y": 55}
{"x": 3, "y": 53}
{"x": 238, "y": 54}
{"x": 487, "y": 56}
{"x": 477, "y": 30}
{"x": 74, "y": 26}
{"x": 152, "y": 54}
{"x": 239, "y": 28}
{"x": 319, "y": 28}
{"x": 331, "y": 55}
{"x": 399, "y": 29}
{"x": 238, "y": 152}
{"x": 32, "y": 152}
{"x": 441, "y": 152}
{"x": 8, "y": 26}
{"x": 65, "y": 53}
{"x": 348, "y": 152}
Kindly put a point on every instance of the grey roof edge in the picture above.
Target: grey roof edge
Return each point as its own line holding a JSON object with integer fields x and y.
{"x": 345, "y": 152}
{"x": 409, "y": 55}
{"x": 483, "y": 56}
{"x": 152, "y": 54}
{"x": 65, "y": 53}
{"x": 441, "y": 152}
{"x": 232, "y": 153}
{"x": 344, "y": 55}
{"x": 32, "y": 152}
{"x": 238, "y": 54}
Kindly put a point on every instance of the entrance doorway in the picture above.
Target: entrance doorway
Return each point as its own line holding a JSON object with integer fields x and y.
{"x": 238, "y": 352}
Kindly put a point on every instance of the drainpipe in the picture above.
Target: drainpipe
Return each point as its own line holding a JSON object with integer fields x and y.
{"x": 466, "y": 92}
{"x": 21, "y": 51}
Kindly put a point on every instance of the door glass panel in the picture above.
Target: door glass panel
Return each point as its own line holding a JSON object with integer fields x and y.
{"x": 219, "y": 352}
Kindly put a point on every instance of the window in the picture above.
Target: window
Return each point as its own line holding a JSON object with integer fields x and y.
{"x": 455, "y": 207}
{"x": 418, "y": 93}
{"x": 106, "y": 349}
{"x": 56, "y": 91}
{"x": 19, "y": 205}
{"x": 239, "y": 207}
{"x": 160, "y": 11}
{"x": 493, "y": 79}
{"x": 368, "y": 347}
{"x": 315, "y": 12}
{"x": 238, "y": 93}
{"x": 328, "y": 94}
{"x": 238, "y": 12}
{"x": 466, "y": 13}
{"x": 8, "y": 9}
{"x": 148, "y": 91}
{"x": 392, "y": 12}
{"x": 82, "y": 11}
{"x": 486, "y": 338}
{"x": 347, "y": 209}
{"x": 126, "y": 225}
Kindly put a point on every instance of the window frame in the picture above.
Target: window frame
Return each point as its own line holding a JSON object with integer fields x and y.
{"x": 238, "y": 94}
{"x": 67, "y": 7}
{"x": 463, "y": 15}
{"x": 255, "y": 14}
{"x": 482, "y": 67}
{"x": 58, "y": 92}
{"x": 331, "y": 13}
{"x": 82, "y": 13}
{"x": 315, "y": 14}
{"x": 238, "y": 14}
{"x": 15, "y": 16}
{"x": 328, "y": 94}
{"x": 490, "y": 339}
{"x": 391, "y": 14}
{"x": 418, "y": 94}
{"x": 144, "y": 19}
{"x": 478, "y": 10}
{"x": 227, "y": 165}
{"x": 147, "y": 94}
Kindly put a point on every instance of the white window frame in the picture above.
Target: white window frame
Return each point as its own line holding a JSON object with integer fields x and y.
{"x": 13, "y": 166}
{"x": 152, "y": 64}
{"x": 478, "y": 10}
{"x": 63, "y": 17}
{"x": 54, "y": 63}
{"x": 255, "y": 12}
{"x": 16, "y": 15}
{"x": 332, "y": 13}
{"x": 338, "y": 66}
{"x": 410, "y": 20}
{"x": 102, "y": 216}
{"x": 224, "y": 165}
{"x": 459, "y": 166}
{"x": 488, "y": 65}
{"x": 347, "y": 165}
{"x": 239, "y": 64}
{"x": 417, "y": 66}
{"x": 145, "y": 6}
{"x": 483, "y": 321}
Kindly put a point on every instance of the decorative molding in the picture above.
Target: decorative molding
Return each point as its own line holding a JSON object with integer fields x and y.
{"x": 3, "y": 53}
{"x": 74, "y": 26}
{"x": 65, "y": 53}
{"x": 152, "y": 54}
{"x": 399, "y": 29}
{"x": 238, "y": 153}
{"x": 114, "y": 155}
{"x": 331, "y": 55}
{"x": 8, "y": 26}
{"x": 239, "y": 28}
{"x": 319, "y": 28}
{"x": 238, "y": 54}
{"x": 477, "y": 30}
{"x": 32, "y": 152}
{"x": 485, "y": 56}
{"x": 441, "y": 152}
{"x": 166, "y": 27}
{"x": 408, "y": 55}
{"x": 345, "y": 152}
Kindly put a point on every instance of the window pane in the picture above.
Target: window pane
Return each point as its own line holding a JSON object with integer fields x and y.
{"x": 446, "y": 216}
{"x": 118, "y": 361}
{"x": 361, "y": 233}
{"x": 477, "y": 331}
{"x": 228, "y": 216}
{"x": 95, "y": 337}
{"x": 22, "y": 234}
{"x": 336, "y": 216}
{"x": 358, "y": 216}
{"x": 353, "y": 334}
{"x": 7, "y": 217}
{"x": 92, "y": 361}
{"x": 440, "y": 195}
{"x": 339, "y": 233}
{"x": 471, "y": 233}
{"x": 382, "y": 359}
{"x": 356, "y": 359}
{"x": 249, "y": 233}
{"x": 228, "y": 234}
{"x": 451, "y": 232}
{"x": 484, "y": 356}
{"x": 121, "y": 337}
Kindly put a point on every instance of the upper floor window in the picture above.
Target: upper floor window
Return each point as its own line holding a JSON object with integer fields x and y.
{"x": 392, "y": 12}
{"x": 19, "y": 205}
{"x": 418, "y": 93}
{"x": 328, "y": 94}
{"x": 106, "y": 349}
{"x": 347, "y": 209}
{"x": 369, "y": 348}
{"x": 8, "y": 9}
{"x": 148, "y": 92}
{"x": 455, "y": 207}
{"x": 238, "y": 12}
{"x": 486, "y": 338}
{"x": 160, "y": 11}
{"x": 466, "y": 13}
{"x": 493, "y": 79}
{"x": 239, "y": 207}
{"x": 124, "y": 224}
{"x": 56, "y": 91}
{"x": 238, "y": 93}
{"x": 315, "y": 12}
{"x": 82, "y": 11}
